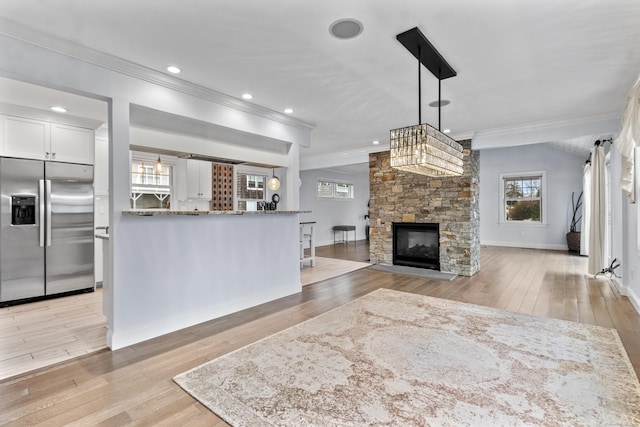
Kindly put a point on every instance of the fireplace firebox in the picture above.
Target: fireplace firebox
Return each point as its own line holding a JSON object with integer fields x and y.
{"x": 416, "y": 244}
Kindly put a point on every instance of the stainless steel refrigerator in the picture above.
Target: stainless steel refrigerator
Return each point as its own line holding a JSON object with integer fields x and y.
{"x": 46, "y": 229}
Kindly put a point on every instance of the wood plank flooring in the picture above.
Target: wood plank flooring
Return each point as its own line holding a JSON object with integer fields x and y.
{"x": 133, "y": 386}
{"x": 327, "y": 268}
{"x": 47, "y": 332}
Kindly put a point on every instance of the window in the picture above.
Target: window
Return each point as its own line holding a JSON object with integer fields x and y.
{"x": 523, "y": 198}
{"x": 150, "y": 185}
{"x": 250, "y": 190}
{"x": 334, "y": 190}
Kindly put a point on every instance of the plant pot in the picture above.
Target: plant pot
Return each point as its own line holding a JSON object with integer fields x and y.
{"x": 573, "y": 241}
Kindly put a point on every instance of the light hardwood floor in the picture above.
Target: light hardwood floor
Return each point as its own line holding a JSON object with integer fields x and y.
{"x": 47, "y": 332}
{"x": 133, "y": 386}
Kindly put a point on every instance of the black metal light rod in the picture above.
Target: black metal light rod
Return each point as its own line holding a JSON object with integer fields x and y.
{"x": 439, "y": 101}
{"x": 419, "y": 88}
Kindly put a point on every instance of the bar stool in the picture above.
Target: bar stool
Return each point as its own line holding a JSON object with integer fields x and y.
{"x": 310, "y": 238}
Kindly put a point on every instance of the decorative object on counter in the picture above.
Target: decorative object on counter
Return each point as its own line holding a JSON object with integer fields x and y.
{"x": 423, "y": 149}
{"x": 573, "y": 236}
{"x": 265, "y": 205}
{"x": 274, "y": 182}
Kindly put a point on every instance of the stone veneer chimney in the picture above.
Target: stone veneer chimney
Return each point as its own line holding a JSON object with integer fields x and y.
{"x": 398, "y": 196}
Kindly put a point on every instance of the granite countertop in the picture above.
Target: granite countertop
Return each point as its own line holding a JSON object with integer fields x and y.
{"x": 151, "y": 212}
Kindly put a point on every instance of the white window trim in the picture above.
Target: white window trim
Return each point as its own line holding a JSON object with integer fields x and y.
{"x": 543, "y": 201}
{"x": 335, "y": 181}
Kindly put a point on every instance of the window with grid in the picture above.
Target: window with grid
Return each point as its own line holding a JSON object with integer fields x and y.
{"x": 250, "y": 189}
{"x": 522, "y": 198}
{"x": 334, "y": 190}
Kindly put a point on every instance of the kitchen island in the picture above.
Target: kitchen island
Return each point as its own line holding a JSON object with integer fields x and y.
{"x": 193, "y": 266}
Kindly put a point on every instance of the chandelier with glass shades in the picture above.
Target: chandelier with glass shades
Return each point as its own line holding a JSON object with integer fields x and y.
{"x": 423, "y": 149}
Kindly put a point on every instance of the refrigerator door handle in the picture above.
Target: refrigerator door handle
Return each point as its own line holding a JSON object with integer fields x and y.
{"x": 48, "y": 221}
{"x": 41, "y": 209}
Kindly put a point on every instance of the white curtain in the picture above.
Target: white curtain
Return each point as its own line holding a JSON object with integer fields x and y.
{"x": 598, "y": 211}
{"x": 586, "y": 210}
{"x": 629, "y": 138}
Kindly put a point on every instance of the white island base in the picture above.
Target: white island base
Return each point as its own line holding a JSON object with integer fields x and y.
{"x": 175, "y": 270}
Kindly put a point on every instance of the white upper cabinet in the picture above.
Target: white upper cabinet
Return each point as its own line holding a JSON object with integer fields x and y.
{"x": 25, "y": 138}
{"x": 198, "y": 179}
{"x": 72, "y": 144}
{"x": 42, "y": 140}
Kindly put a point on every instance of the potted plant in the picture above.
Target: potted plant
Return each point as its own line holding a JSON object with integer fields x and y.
{"x": 573, "y": 236}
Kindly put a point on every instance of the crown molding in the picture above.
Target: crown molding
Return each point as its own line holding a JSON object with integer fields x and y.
{"x": 92, "y": 56}
{"x": 552, "y": 124}
{"x": 545, "y": 132}
{"x": 348, "y": 157}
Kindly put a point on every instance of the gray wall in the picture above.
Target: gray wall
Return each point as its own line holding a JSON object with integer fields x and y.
{"x": 564, "y": 175}
{"x": 328, "y": 213}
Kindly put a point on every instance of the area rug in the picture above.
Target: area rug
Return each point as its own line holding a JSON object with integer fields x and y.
{"x": 413, "y": 271}
{"x": 394, "y": 358}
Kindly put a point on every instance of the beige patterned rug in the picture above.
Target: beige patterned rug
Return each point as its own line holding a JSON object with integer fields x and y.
{"x": 394, "y": 358}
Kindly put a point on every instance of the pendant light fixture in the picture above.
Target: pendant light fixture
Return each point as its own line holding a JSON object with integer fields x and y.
{"x": 159, "y": 165}
{"x": 423, "y": 149}
{"x": 273, "y": 183}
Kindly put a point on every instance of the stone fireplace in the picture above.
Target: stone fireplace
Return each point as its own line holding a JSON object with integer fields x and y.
{"x": 451, "y": 202}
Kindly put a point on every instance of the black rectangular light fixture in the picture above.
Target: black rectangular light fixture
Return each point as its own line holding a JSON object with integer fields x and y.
{"x": 423, "y": 50}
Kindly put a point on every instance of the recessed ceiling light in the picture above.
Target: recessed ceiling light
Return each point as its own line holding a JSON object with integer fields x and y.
{"x": 59, "y": 109}
{"x": 446, "y": 130}
{"x": 345, "y": 28}
{"x": 288, "y": 110}
{"x": 173, "y": 69}
{"x": 376, "y": 142}
{"x": 442, "y": 103}
{"x": 247, "y": 96}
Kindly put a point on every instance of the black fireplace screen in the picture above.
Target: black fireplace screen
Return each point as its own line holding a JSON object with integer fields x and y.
{"x": 416, "y": 244}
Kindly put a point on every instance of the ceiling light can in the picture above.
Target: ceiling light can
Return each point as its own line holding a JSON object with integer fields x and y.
{"x": 173, "y": 69}
{"x": 345, "y": 29}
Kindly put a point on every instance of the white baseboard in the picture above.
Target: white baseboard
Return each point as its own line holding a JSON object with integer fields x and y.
{"x": 629, "y": 293}
{"x": 526, "y": 245}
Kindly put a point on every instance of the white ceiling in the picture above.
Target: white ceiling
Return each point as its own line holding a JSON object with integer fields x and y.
{"x": 518, "y": 62}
